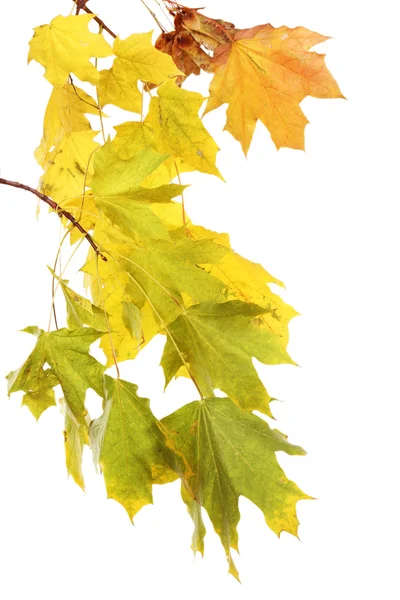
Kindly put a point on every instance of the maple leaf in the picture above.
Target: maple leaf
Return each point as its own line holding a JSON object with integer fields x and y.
{"x": 263, "y": 74}
{"x": 71, "y": 366}
{"x": 178, "y": 129}
{"x": 65, "y": 113}
{"x": 232, "y": 454}
{"x": 120, "y": 197}
{"x": 130, "y": 447}
{"x": 136, "y": 59}
{"x": 168, "y": 277}
{"x": 65, "y": 46}
{"x": 217, "y": 342}
{"x": 249, "y": 282}
{"x": 69, "y": 165}
{"x": 132, "y": 137}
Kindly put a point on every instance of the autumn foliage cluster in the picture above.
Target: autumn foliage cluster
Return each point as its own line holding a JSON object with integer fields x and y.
{"x": 151, "y": 271}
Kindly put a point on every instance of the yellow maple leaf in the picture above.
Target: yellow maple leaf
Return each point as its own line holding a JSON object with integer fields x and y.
{"x": 264, "y": 74}
{"x": 65, "y": 46}
{"x": 136, "y": 59}
{"x": 178, "y": 129}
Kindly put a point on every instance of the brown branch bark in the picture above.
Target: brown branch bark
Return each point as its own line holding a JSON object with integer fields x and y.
{"x": 81, "y": 5}
{"x": 59, "y": 210}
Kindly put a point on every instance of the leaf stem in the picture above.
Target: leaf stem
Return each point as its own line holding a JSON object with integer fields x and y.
{"x": 59, "y": 210}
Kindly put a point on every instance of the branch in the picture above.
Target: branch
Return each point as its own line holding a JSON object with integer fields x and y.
{"x": 59, "y": 210}
{"x": 81, "y": 5}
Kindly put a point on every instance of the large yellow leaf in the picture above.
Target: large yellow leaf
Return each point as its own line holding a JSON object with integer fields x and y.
{"x": 264, "y": 74}
{"x": 65, "y": 46}
{"x": 178, "y": 129}
{"x": 137, "y": 59}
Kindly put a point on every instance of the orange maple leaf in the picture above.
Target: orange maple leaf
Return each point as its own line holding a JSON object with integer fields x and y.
{"x": 264, "y": 73}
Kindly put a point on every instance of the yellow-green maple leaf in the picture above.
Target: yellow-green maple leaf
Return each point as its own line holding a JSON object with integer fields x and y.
{"x": 178, "y": 129}
{"x": 129, "y": 447}
{"x": 65, "y": 46}
{"x": 232, "y": 454}
{"x": 264, "y": 74}
{"x": 120, "y": 197}
{"x": 134, "y": 136}
{"x": 136, "y": 59}
{"x": 167, "y": 276}
{"x": 218, "y": 342}
{"x": 65, "y": 113}
{"x": 71, "y": 366}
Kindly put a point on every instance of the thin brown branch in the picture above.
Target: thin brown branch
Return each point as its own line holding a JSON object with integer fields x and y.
{"x": 59, "y": 210}
{"x": 99, "y": 21}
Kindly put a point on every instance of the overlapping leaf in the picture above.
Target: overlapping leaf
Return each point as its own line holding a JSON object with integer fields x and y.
{"x": 69, "y": 165}
{"x": 120, "y": 197}
{"x": 132, "y": 137}
{"x": 217, "y": 342}
{"x": 178, "y": 130}
{"x": 136, "y": 59}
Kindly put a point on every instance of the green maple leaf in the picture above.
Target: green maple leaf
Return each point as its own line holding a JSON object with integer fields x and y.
{"x": 71, "y": 366}
{"x": 119, "y": 196}
{"x": 167, "y": 274}
{"x": 217, "y": 342}
{"x": 232, "y": 454}
{"x": 130, "y": 447}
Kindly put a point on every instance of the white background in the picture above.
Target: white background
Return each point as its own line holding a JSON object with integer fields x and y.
{"x": 326, "y": 223}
